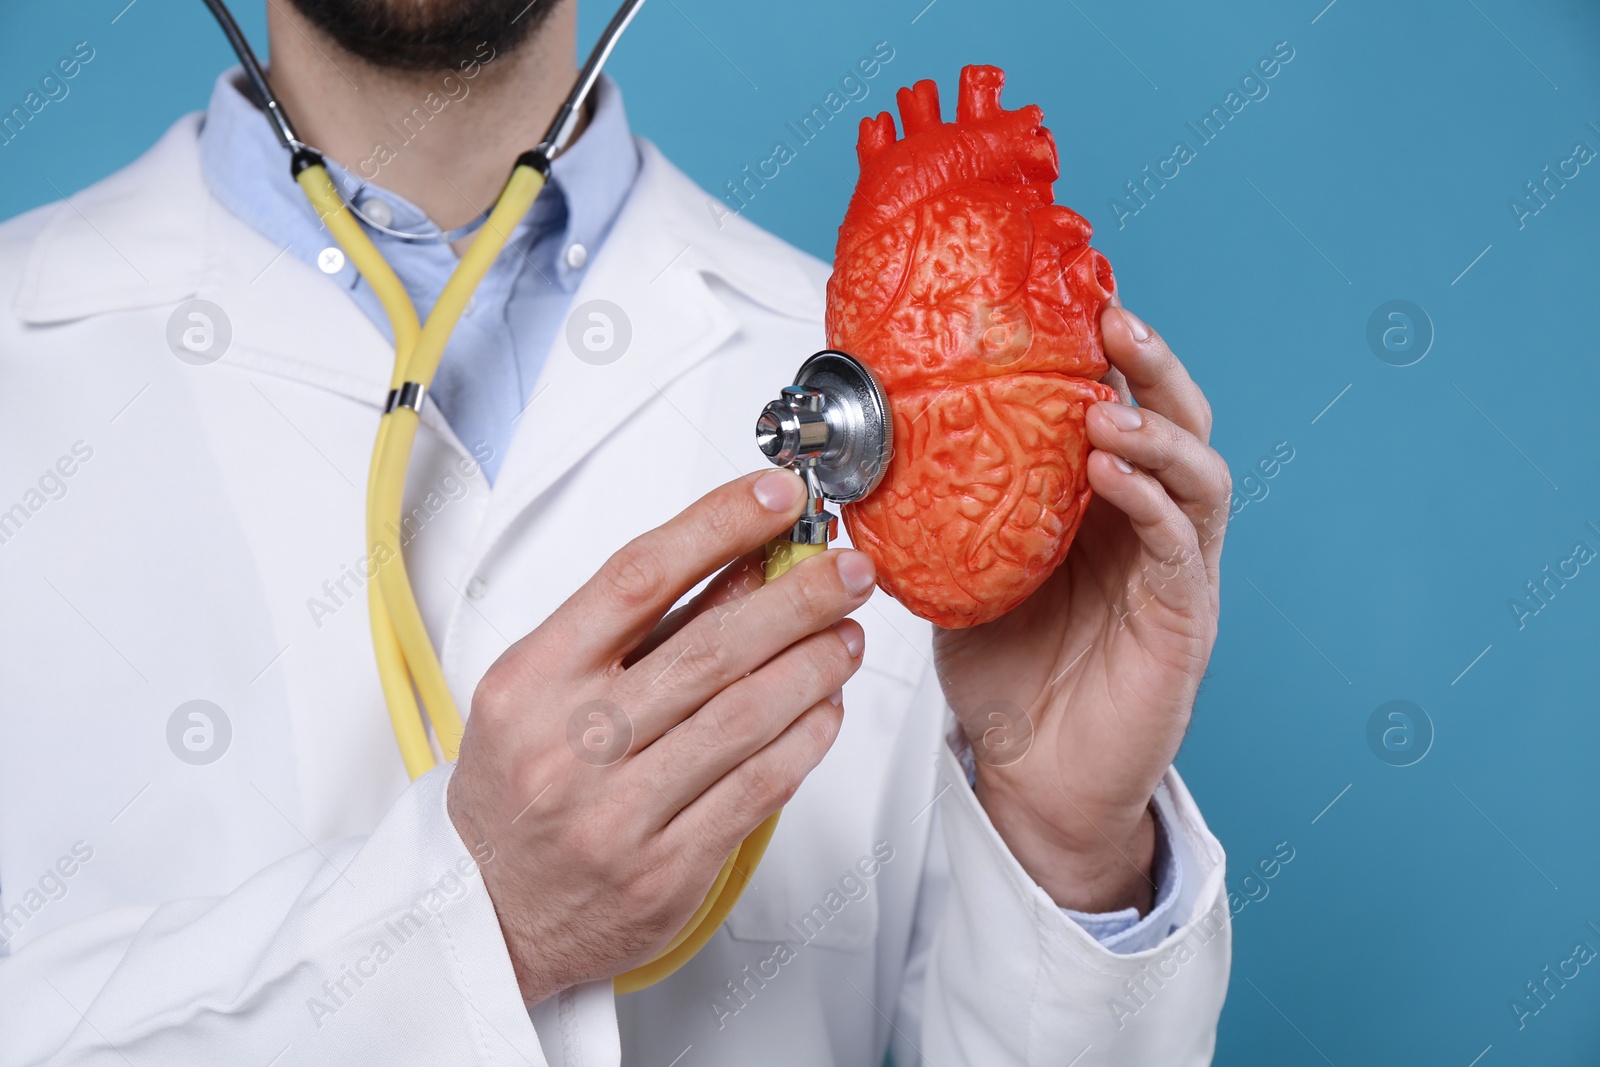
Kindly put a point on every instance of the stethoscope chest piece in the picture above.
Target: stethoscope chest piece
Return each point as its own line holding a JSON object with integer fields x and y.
{"x": 833, "y": 426}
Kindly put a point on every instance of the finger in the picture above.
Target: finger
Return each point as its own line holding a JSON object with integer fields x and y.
{"x": 618, "y": 607}
{"x": 723, "y": 816}
{"x": 738, "y": 579}
{"x": 1174, "y": 572}
{"x": 1193, "y": 474}
{"x": 1118, "y": 384}
{"x": 719, "y": 647}
{"x": 1155, "y": 377}
{"x": 748, "y": 715}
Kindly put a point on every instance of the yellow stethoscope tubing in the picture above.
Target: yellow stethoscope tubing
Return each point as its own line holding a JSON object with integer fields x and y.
{"x": 417, "y": 355}
{"x": 403, "y": 651}
{"x": 735, "y": 874}
{"x": 393, "y": 673}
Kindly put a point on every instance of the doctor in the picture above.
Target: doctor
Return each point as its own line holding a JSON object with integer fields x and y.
{"x": 209, "y": 852}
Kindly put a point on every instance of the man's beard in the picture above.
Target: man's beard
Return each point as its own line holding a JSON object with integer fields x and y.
{"x": 424, "y": 35}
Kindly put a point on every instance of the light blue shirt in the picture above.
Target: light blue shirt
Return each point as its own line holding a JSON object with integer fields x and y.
{"x": 497, "y": 350}
{"x": 487, "y": 375}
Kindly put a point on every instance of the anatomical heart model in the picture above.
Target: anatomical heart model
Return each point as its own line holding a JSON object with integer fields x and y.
{"x": 976, "y": 301}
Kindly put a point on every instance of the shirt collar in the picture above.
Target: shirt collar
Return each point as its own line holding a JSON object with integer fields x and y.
{"x": 248, "y": 172}
{"x": 595, "y": 175}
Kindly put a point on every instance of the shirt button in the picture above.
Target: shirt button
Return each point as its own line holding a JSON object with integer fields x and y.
{"x": 476, "y": 587}
{"x": 331, "y": 260}
{"x": 378, "y": 212}
{"x": 577, "y": 256}
{"x": 471, "y": 305}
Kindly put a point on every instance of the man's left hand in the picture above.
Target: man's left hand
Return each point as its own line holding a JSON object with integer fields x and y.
{"x": 1076, "y": 701}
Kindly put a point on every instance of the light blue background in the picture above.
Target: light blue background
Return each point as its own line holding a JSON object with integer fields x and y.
{"x": 1383, "y": 558}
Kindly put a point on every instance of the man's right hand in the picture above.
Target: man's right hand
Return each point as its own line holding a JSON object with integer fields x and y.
{"x": 617, "y": 755}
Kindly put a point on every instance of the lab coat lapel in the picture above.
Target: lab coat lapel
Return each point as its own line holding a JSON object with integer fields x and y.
{"x": 293, "y": 322}
{"x": 282, "y": 316}
{"x": 103, "y": 249}
{"x": 647, "y": 288}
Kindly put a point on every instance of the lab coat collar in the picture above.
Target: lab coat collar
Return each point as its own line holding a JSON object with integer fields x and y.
{"x": 134, "y": 240}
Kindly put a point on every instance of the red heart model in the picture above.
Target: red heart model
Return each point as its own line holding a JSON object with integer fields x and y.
{"x": 977, "y": 302}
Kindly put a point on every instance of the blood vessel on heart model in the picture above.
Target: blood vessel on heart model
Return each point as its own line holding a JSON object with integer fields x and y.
{"x": 976, "y": 301}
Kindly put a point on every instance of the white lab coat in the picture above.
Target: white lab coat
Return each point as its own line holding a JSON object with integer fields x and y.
{"x": 253, "y": 907}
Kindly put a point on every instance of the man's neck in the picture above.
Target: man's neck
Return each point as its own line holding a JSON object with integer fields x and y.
{"x": 451, "y": 162}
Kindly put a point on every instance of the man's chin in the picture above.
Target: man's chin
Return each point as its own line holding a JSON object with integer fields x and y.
{"x": 424, "y": 35}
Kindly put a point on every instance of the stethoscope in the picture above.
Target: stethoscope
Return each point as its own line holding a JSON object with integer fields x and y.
{"x": 832, "y": 425}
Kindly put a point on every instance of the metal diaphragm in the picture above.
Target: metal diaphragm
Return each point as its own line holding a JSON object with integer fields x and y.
{"x": 835, "y": 421}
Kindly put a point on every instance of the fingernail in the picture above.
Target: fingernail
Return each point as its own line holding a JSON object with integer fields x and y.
{"x": 850, "y": 633}
{"x": 779, "y": 490}
{"x": 1122, "y": 416}
{"x": 856, "y": 571}
{"x": 1122, "y": 465}
{"x": 1139, "y": 329}
{"x": 836, "y": 697}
